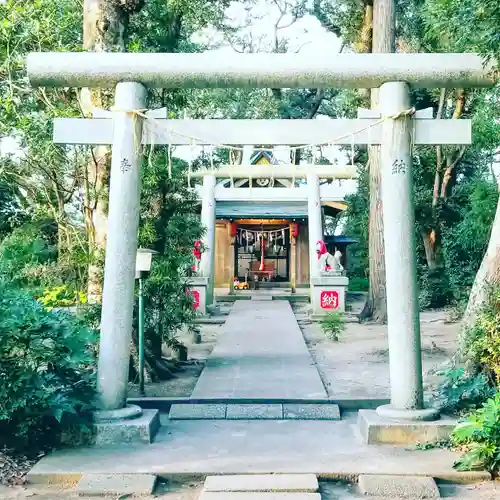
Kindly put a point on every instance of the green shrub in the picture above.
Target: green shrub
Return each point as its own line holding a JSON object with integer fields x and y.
{"x": 467, "y": 389}
{"x": 481, "y": 343}
{"x": 333, "y": 325}
{"x": 47, "y": 370}
{"x": 22, "y": 251}
{"x": 61, "y": 296}
{"x": 434, "y": 288}
{"x": 479, "y": 436}
{"x": 462, "y": 391}
{"x": 30, "y": 259}
{"x": 358, "y": 284}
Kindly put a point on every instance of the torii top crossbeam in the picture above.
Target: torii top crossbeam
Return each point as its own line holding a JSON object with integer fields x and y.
{"x": 208, "y": 69}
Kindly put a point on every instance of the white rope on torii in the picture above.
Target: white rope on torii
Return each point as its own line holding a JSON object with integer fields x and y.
{"x": 258, "y": 171}
{"x": 201, "y": 141}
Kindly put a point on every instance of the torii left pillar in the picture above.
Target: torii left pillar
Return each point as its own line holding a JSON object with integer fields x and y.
{"x": 114, "y": 416}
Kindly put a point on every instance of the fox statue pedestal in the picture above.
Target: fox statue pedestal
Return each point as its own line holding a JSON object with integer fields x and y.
{"x": 198, "y": 286}
{"x": 328, "y": 292}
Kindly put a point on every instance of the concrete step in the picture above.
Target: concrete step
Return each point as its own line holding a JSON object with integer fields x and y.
{"x": 410, "y": 487}
{"x": 261, "y": 411}
{"x": 217, "y": 495}
{"x": 207, "y": 320}
{"x": 303, "y": 483}
{"x": 116, "y": 484}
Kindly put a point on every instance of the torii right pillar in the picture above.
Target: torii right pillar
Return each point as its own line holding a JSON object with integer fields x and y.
{"x": 405, "y": 359}
{"x": 400, "y": 260}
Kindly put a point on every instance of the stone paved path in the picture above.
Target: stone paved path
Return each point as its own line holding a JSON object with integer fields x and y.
{"x": 260, "y": 354}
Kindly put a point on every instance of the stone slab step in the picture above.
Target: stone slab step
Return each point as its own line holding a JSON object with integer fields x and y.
{"x": 311, "y": 411}
{"x": 116, "y": 484}
{"x": 255, "y": 411}
{"x": 197, "y": 412}
{"x": 398, "y": 486}
{"x": 303, "y": 483}
{"x": 262, "y": 297}
{"x": 217, "y": 495}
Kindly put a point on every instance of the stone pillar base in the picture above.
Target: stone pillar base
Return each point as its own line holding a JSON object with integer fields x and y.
{"x": 377, "y": 429}
{"x": 199, "y": 288}
{"x": 425, "y": 414}
{"x": 127, "y": 425}
{"x": 328, "y": 294}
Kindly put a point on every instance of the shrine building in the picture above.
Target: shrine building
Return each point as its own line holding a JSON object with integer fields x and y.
{"x": 261, "y": 229}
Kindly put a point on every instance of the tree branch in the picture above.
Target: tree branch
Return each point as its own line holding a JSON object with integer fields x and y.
{"x": 439, "y": 152}
{"x": 316, "y": 104}
{"x": 460, "y": 105}
{"x": 450, "y": 172}
{"x": 440, "y": 109}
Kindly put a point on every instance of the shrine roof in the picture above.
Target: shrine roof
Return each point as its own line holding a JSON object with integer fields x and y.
{"x": 260, "y": 210}
{"x": 257, "y": 155}
{"x": 339, "y": 238}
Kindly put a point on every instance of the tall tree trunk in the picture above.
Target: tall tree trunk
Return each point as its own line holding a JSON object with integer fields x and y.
{"x": 432, "y": 247}
{"x": 365, "y": 39}
{"x": 383, "y": 40}
{"x": 104, "y": 30}
{"x": 97, "y": 219}
{"x": 488, "y": 273}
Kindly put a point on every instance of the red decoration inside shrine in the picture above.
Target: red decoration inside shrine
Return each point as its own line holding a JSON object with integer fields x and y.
{"x": 294, "y": 229}
{"x": 263, "y": 243}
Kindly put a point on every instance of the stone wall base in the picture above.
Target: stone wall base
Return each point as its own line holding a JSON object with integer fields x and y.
{"x": 199, "y": 286}
{"x": 328, "y": 294}
{"x": 142, "y": 429}
{"x": 379, "y": 430}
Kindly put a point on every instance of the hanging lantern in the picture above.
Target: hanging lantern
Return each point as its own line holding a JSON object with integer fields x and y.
{"x": 233, "y": 228}
{"x": 294, "y": 229}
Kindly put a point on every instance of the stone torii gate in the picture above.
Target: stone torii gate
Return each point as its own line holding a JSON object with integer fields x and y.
{"x": 132, "y": 74}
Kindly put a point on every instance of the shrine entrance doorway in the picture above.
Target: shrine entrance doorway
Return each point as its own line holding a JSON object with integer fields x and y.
{"x": 262, "y": 252}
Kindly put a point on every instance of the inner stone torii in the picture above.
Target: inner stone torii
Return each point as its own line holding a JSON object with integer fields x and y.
{"x": 132, "y": 74}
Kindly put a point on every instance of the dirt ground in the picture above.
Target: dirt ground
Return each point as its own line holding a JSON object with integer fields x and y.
{"x": 183, "y": 383}
{"x": 357, "y": 365}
